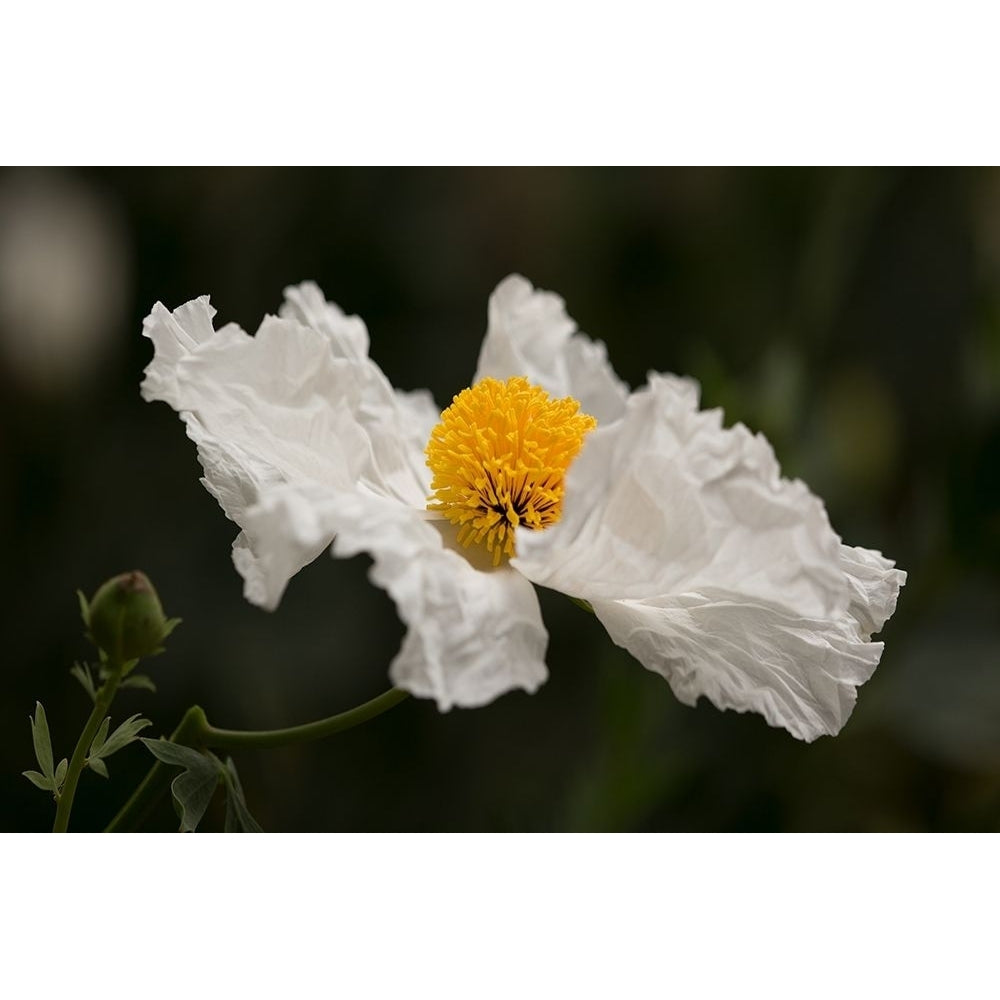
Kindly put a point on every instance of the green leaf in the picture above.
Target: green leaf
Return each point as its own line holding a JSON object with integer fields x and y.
{"x": 192, "y": 790}
{"x": 126, "y": 733}
{"x": 84, "y": 609}
{"x": 128, "y": 666}
{"x": 174, "y": 753}
{"x": 139, "y": 681}
{"x": 82, "y": 673}
{"x": 238, "y": 818}
{"x": 38, "y": 780}
{"x": 61, "y": 769}
{"x": 99, "y": 737}
{"x": 43, "y": 744}
{"x": 98, "y": 765}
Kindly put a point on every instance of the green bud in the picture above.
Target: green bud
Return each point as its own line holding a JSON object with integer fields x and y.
{"x": 126, "y": 618}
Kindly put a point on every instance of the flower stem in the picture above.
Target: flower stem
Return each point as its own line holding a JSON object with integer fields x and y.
{"x": 194, "y": 730}
{"x": 236, "y": 739}
{"x": 102, "y": 703}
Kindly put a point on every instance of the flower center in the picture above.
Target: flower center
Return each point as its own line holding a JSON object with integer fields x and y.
{"x": 499, "y": 458}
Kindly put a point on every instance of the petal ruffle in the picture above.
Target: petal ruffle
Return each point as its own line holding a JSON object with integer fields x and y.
{"x": 711, "y": 569}
{"x": 304, "y": 443}
{"x": 530, "y": 334}
{"x": 293, "y": 407}
{"x": 473, "y": 634}
{"x": 307, "y": 305}
{"x": 667, "y": 501}
{"x": 801, "y": 674}
{"x": 873, "y": 584}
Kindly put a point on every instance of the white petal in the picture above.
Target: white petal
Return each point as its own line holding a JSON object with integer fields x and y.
{"x": 801, "y": 674}
{"x": 174, "y": 335}
{"x": 530, "y": 334}
{"x": 291, "y": 408}
{"x": 874, "y": 586}
{"x": 667, "y": 501}
{"x": 711, "y": 569}
{"x": 473, "y": 634}
{"x": 302, "y": 442}
{"x": 282, "y": 533}
{"x": 307, "y": 304}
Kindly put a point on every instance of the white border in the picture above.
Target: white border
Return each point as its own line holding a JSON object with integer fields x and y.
{"x": 483, "y": 916}
{"x": 522, "y": 82}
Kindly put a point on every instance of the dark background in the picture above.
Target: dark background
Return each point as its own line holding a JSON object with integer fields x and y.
{"x": 851, "y": 315}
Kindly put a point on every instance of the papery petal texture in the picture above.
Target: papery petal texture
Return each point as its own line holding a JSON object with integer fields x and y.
{"x": 530, "y": 334}
{"x": 473, "y": 633}
{"x": 666, "y": 501}
{"x": 291, "y": 407}
{"x": 873, "y": 586}
{"x": 713, "y": 570}
{"x": 304, "y": 443}
{"x": 799, "y": 673}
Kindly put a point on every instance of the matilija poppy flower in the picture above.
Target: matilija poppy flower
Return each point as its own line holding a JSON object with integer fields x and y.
{"x": 694, "y": 553}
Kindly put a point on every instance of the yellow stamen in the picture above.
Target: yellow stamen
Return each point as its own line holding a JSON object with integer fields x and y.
{"x": 499, "y": 458}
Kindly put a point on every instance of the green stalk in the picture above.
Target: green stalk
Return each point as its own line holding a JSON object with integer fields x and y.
{"x": 237, "y": 739}
{"x": 101, "y": 705}
{"x": 195, "y": 731}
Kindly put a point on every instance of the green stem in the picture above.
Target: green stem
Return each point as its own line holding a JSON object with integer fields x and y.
{"x": 102, "y": 703}
{"x": 237, "y": 739}
{"x": 195, "y": 730}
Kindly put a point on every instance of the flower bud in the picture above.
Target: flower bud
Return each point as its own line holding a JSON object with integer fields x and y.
{"x": 126, "y": 619}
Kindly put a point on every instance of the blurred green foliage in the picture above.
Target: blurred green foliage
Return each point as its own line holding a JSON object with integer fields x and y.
{"x": 853, "y": 316}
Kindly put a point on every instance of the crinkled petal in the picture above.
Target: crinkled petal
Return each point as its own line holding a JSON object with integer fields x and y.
{"x": 304, "y": 443}
{"x": 175, "y": 335}
{"x": 278, "y": 533}
{"x": 801, "y": 674}
{"x": 873, "y": 584}
{"x": 530, "y": 334}
{"x": 711, "y": 569}
{"x": 306, "y": 304}
{"x": 282, "y": 533}
{"x": 294, "y": 406}
{"x": 667, "y": 501}
{"x": 418, "y": 413}
{"x": 473, "y": 634}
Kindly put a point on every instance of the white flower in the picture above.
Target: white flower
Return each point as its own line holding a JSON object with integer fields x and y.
{"x": 697, "y": 557}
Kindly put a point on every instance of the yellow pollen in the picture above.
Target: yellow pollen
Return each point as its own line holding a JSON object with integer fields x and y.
{"x": 499, "y": 458}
